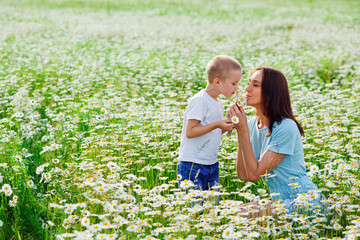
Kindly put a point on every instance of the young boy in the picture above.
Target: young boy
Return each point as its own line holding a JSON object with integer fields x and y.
{"x": 204, "y": 124}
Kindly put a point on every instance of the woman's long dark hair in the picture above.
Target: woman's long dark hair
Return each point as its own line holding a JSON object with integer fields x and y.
{"x": 276, "y": 97}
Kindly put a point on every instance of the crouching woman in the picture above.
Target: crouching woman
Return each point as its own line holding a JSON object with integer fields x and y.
{"x": 270, "y": 145}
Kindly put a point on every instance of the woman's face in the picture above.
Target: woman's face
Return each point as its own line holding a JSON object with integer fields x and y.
{"x": 253, "y": 90}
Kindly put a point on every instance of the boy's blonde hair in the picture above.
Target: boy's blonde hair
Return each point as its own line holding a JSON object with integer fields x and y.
{"x": 220, "y": 66}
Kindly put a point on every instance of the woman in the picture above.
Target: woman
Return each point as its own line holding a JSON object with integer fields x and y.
{"x": 270, "y": 144}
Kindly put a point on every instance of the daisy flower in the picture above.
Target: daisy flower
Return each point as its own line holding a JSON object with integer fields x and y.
{"x": 133, "y": 228}
{"x": 186, "y": 184}
{"x": 12, "y": 203}
{"x": 9, "y": 192}
{"x": 228, "y": 233}
{"x": 241, "y": 101}
{"x": 235, "y": 119}
{"x": 30, "y": 183}
{"x": 5, "y": 188}
{"x": 85, "y": 222}
{"x": 95, "y": 228}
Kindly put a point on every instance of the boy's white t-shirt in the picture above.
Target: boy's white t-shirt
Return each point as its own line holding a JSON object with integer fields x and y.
{"x": 203, "y": 149}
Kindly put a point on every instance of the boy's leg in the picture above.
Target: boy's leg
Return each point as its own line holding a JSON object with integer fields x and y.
{"x": 213, "y": 177}
{"x": 193, "y": 172}
{"x": 212, "y": 181}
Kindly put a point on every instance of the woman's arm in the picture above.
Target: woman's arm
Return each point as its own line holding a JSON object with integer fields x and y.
{"x": 247, "y": 167}
{"x": 241, "y": 164}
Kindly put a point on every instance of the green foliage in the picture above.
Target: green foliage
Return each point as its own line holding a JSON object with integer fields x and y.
{"x": 92, "y": 95}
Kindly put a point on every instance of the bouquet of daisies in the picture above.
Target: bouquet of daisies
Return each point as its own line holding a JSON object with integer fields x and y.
{"x": 240, "y": 100}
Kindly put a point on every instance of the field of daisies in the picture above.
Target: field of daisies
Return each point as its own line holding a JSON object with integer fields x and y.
{"x": 92, "y": 95}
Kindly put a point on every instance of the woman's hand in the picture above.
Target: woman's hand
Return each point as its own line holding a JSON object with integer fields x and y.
{"x": 239, "y": 112}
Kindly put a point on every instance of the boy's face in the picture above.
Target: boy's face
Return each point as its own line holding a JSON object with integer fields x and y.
{"x": 229, "y": 85}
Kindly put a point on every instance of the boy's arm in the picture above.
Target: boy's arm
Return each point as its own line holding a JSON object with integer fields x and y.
{"x": 194, "y": 130}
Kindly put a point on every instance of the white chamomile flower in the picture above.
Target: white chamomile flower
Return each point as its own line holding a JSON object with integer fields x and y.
{"x": 186, "y": 184}
{"x": 228, "y": 233}
{"x": 85, "y": 222}
{"x": 12, "y": 203}
{"x": 235, "y": 119}
{"x": 314, "y": 168}
{"x": 30, "y": 183}
{"x": 240, "y": 99}
{"x": 6, "y": 187}
{"x": 241, "y": 102}
{"x": 145, "y": 140}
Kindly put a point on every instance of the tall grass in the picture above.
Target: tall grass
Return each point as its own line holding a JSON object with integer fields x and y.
{"x": 92, "y": 95}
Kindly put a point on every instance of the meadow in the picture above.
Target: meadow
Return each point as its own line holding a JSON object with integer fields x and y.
{"x": 92, "y": 95}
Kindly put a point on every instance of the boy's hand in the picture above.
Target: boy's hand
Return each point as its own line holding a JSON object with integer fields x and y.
{"x": 226, "y": 125}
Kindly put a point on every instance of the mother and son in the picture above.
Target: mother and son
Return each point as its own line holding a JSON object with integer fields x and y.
{"x": 269, "y": 144}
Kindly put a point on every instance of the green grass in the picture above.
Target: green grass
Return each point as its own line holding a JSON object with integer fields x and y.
{"x": 92, "y": 95}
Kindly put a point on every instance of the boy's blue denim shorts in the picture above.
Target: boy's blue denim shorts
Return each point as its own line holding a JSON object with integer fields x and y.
{"x": 204, "y": 177}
